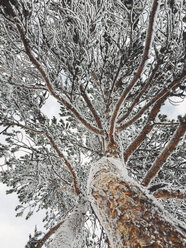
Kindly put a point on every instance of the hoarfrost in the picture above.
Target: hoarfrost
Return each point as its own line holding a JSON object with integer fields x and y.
{"x": 66, "y": 234}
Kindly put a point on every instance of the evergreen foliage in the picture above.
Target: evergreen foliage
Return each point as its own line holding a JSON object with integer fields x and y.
{"x": 111, "y": 65}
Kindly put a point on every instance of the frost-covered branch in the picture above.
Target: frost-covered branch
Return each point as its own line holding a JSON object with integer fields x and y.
{"x": 31, "y": 87}
{"x": 140, "y": 68}
{"x": 91, "y": 107}
{"x": 146, "y": 129}
{"x": 61, "y": 155}
{"x": 82, "y": 146}
{"x": 161, "y": 159}
{"x": 163, "y": 94}
{"x": 141, "y": 93}
{"x": 44, "y": 75}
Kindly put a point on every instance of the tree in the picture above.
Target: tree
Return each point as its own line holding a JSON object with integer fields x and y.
{"x": 105, "y": 167}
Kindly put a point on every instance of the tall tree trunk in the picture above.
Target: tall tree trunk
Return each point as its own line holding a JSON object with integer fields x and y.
{"x": 130, "y": 217}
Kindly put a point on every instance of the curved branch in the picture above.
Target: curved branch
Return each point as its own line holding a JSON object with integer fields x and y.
{"x": 161, "y": 159}
{"x": 140, "y": 68}
{"x": 47, "y": 81}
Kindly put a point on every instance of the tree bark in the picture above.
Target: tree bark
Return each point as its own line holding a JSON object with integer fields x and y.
{"x": 130, "y": 216}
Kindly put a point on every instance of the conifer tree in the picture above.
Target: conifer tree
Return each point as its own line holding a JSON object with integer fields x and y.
{"x": 108, "y": 168}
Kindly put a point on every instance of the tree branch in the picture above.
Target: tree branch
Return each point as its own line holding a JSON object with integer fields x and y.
{"x": 46, "y": 79}
{"x": 61, "y": 155}
{"x": 140, "y": 68}
{"x": 164, "y": 193}
{"x": 161, "y": 159}
{"x": 146, "y": 129}
{"x": 82, "y": 146}
{"x": 48, "y": 235}
{"x": 144, "y": 88}
{"x": 163, "y": 93}
{"x": 90, "y": 106}
{"x": 4, "y": 130}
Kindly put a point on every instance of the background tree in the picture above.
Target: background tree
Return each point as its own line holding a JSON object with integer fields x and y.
{"x": 111, "y": 65}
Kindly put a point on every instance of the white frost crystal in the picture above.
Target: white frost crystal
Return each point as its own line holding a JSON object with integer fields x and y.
{"x": 66, "y": 234}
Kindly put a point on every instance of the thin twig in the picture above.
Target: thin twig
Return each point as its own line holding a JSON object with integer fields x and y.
{"x": 5, "y": 129}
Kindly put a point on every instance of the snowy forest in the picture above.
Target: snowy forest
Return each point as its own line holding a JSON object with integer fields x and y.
{"x": 108, "y": 168}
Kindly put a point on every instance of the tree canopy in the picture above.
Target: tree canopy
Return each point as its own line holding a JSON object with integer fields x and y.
{"x": 111, "y": 65}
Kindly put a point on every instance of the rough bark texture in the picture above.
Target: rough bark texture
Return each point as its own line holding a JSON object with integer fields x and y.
{"x": 130, "y": 217}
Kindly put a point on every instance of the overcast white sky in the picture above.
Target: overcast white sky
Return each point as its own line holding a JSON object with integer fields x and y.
{"x": 14, "y": 231}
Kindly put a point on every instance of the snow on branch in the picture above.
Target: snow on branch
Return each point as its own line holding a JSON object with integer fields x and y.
{"x": 61, "y": 155}
{"x": 140, "y": 68}
{"x": 46, "y": 79}
{"x": 90, "y": 106}
{"x": 67, "y": 233}
{"x": 161, "y": 159}
{"x": 49, "y": 234}
{"x": 146, "y": 129}
{"x": 144, "y": 88}
{"x": 164, "y": 93}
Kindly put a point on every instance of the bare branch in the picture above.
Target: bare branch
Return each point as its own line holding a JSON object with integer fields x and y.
{"x": 170, "y": 194}
{"x": 49, "y": 234}
{"x": 146, "y": 129}
{"x": 140, "y": 68}
{"x": 161, "y": 159}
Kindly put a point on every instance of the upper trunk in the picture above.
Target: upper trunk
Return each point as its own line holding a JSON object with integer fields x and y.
{"x": 130, "y": 217}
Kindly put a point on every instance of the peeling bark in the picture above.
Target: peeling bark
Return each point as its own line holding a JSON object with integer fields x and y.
{"x": 130, "y": 217}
